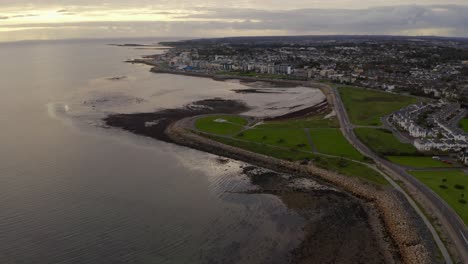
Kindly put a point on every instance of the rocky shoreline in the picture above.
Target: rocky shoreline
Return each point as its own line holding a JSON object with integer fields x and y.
{"x": 403, "y": 225}
{"x": 389, "y": 214}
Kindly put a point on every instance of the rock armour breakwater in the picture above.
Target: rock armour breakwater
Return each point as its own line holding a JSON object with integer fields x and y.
{"x": 401, "y": 222}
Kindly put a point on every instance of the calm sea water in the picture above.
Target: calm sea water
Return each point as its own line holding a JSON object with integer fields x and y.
{"x": 72, "y": 192}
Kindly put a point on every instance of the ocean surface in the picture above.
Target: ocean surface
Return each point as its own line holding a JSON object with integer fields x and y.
{"x": 72, "y": 191}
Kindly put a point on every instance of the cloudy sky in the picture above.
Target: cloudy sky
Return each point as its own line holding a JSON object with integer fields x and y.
{"x": 54, "y": 19}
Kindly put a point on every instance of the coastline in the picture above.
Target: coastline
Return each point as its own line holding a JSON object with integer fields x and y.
{"x": 402, "y": 224}
{"x": 395, "y": 216}
{"x": 224, "y": 77}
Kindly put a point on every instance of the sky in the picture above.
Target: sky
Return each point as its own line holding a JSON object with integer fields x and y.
{"x": 64, "y": 19}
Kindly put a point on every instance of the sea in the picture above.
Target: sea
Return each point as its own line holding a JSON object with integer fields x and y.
{"x": 75, "y": 191}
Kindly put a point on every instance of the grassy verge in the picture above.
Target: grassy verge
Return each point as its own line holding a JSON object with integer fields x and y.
{"x": 384, "y": 143}
{"x": 366, "y": 107}
{"x": 417, "y": 162}
{"x": 338, "y": 165}
{"x": 310, "y": 122}
{"x": 221, "y": 124}
{"x": 464, "y": 124}
{"x": 283, "y": 137}
{"x": 288, "y": 140}
{"x": 331, "y": 141}
{"x": 450, "y": 185}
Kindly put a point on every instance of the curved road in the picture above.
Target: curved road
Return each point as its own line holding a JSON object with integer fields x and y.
{"x": 450, "y": 220}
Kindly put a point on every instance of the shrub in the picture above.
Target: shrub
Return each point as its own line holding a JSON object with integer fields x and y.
{"x": 462, "y": 201}
{"x": 443, "y": 186}
{"x": 444, "y": 180}
{"x": 459, "y": 187}
{"x": 280, "y": 140}
{"x": 342, "y": 163}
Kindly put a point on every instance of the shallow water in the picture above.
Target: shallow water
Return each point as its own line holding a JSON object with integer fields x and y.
{"x": 72, "y": 192}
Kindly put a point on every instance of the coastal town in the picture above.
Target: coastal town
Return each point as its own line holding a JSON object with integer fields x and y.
{"x": 434, "y": 127}
{"x": 394, "y": 112}
{"x": 431, "y": 68}
{"x": 419, "y": 66}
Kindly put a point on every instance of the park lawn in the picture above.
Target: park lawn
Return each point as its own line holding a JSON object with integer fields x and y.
{"x": 283, "y": 137}
{"x": 383, "y": 142}
{"x": 366, "y": 107}
{"x": 233, "y": 125}
{"x": 352, "y": 169}
{"x": 309, "y": 122}
{"x": 417, "y": 162}
{"x": 290, "y": 154}
{"x": 331, "y": 141}
{"x": 464, "y": 124}
{"x": 344, "y": 167}
{"x": 451, "y": 195}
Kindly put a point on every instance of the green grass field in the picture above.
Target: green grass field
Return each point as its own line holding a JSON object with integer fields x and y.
{"x": 443, "y": 183}
{"x": 417, "y": 162}
{"x": 288, "y": 140}
{"x": 351, "y": 169}
{"x": 384, "y": 142}
{"x": 209, "y": 124}
{"x": 366, "y": 107}
{"x": 283, "y": 137}
{"x": 464, "y": 124}
{"x": 309, "y": 122}
{"x": 347, "y": 168}
{"x": 331, "y": 141}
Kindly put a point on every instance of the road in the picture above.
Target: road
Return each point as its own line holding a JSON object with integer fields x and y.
{"x": 455, "y": 227}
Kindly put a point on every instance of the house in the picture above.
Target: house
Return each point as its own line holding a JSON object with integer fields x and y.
{"x": 464, "y": 157}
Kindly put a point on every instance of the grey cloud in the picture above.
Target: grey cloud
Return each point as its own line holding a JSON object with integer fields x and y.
{"x": 379, "y": 20}
{"x": 382, "y": 20}
{"x": 25, "y": 15}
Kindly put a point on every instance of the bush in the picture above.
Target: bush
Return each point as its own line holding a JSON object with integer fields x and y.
{"x": 462, "y": 201}
{"x": 280, "y": 140}
{"x": 459, "y": 187}
{"x": 444, "y": 180}
{"x": 342, "y": 163}
{"x": 264, "y": 138}
{"x": 443, "y": 186}
{"x": 241, "y": 134}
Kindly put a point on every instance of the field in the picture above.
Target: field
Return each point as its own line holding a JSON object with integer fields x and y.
{"x": 331, "y": 141}
{"x": 212, "y": 124}
{"x": 464, "y": 124}
{"x": 366, "y": 107}
{"x": 417, "y": 162}
{"x": 288, "y": 140}
{"x": 450, "y": 185}
{"x": 347, "y": 168}
{"x": 283, "y": 137}
{"x": 309, "y": 122}
{"x": 384, "y": 142}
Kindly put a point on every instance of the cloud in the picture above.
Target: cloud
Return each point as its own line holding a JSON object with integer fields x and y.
{"x": 25, "y": 15}
{"x": 445, "y": 20}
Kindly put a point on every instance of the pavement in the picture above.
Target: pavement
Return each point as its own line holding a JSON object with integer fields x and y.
{"x": 454, "y": 225}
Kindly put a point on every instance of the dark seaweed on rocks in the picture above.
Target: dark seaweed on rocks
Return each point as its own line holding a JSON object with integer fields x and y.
{"x": 337, "y": 227}
{"x": 154, "y": 124}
